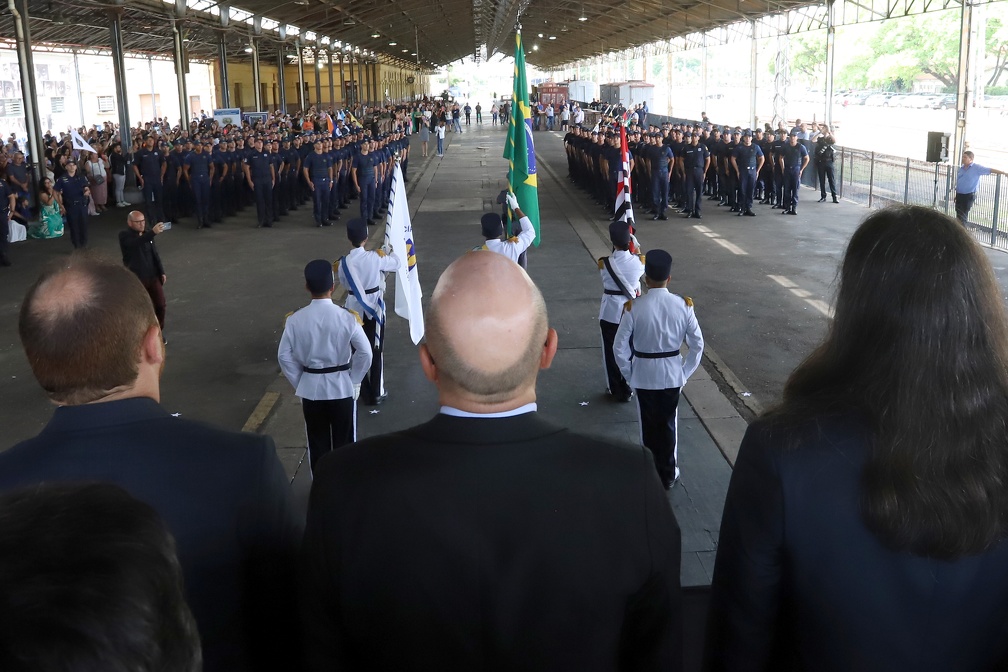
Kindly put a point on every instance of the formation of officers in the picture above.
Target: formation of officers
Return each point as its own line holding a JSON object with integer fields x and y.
{"x": 677, "y": 166}
{"x": 215, "y": 175}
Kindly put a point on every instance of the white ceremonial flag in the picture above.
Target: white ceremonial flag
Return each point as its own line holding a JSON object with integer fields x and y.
{"x": 399, "y": 236}
{"x": 78, "y": 142}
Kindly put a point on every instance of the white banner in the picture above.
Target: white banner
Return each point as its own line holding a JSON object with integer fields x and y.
{"x": 399, "y": 236}
{"x": 227, "y": 115}
{"x": 78, "y": 142}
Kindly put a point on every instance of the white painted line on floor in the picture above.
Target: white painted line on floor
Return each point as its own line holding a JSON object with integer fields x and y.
{"x": 701, "y": 229}
{"x": 821, "y": 306}
{"x": 782, "y": 281}
{"x": 801, "y": 293}
{"x": 731, "y": 247}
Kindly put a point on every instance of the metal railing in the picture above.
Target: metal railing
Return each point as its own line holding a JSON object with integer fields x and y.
{"x": 877, "y": 180}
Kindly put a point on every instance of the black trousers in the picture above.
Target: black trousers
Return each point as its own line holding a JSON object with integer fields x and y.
{"x": 153, "y": 194}
{"x": 77, "y": 222}
{"x": 963, "y": 204}
{"x": 329, "y": 423}
{"x": 264, "y": 202}
{"x": 792, "y": 183}
{"x": 658, "y": 422}
{"x": 694, "y": 190}
{"x": 371, "y": 386}
{"x": 614, "y": 379}
{"x": 826, "y": 173}
{"x": 4, "y": 232}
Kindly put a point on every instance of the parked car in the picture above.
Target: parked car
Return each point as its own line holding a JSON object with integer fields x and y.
{"x": 880, "y": 99}
{"x": 944, "y": 102}
{"x": 921, "y": 101}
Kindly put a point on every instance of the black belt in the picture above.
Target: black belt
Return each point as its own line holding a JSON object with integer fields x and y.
{"x": 328, "y": 369}
{"x": 655, "y": 355}
{"x": 78, "y": 202}
{"x": 613, "y": 292}
{"x": 373, "y": 290}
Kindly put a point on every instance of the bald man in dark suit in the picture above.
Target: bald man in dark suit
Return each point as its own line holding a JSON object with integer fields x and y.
{"x": 488, "y": 538}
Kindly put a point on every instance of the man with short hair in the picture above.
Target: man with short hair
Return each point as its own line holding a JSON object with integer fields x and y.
{"x": 967, "y": 180}
{"x": 90, "y": 581}
{"x": 324, "y": 354}
{"x": 489, "y": 538}
{"x": 492, "y": 227}
{"x": 94, "y": 345}
{"x": 140, "y": 255}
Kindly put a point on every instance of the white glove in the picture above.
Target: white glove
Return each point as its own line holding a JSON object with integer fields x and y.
{"x": 512, "y": 201}
{"x": 356, "y": 392}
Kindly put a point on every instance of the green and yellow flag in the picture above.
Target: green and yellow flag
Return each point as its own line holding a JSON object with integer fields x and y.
{"x": 519, "y": 149}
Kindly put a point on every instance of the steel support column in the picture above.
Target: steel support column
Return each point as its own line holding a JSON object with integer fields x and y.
{"x": 752, "y": 76}
{"x": 222, "y": 57}
{"x": 830, "y": 59}
{"x": 153, "y": 90}
{"x": 353, "y": 90}
{"x": 342, "y": 86}
{"x": 318, "y": 79}
{"x": 119, "y": 71}
{"x": 281, "y": 78}
{"x": 80, "y": 96}
{"x": 29, "y": 95}
{"x": 332, "y": 84}
{"x": 963, "y": 101}
{"x": 301, "y": 82}
{"x": 181, "y": 65}
{"x": 703, "y": 74}
{"x": 360, "y": 80}
{"x": 256, "y": 76}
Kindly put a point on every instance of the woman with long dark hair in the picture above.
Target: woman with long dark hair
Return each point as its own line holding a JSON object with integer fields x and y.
{"x": 865, "y": 521}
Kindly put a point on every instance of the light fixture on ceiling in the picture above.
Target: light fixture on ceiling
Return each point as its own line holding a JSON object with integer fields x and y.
{"x": 582, "y": 17}
{"x": 413, "y": 54}
{"x": 552, "y": 37}
{"x": 375, "y": 35}
{"x": 535, "y": 47}
{"x": 405, "y": 50}
{"x": 540, "y": 34}
{"x": 248, "y": 50}
{"x": 392, "y": 44}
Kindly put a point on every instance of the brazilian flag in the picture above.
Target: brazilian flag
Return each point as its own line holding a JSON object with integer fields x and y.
{"x": 519, "y": 149}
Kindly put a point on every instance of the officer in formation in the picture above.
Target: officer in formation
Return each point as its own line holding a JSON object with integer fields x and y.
{"x": 362, "y": 273}
{"x": 149, "y": 166}
{"x": 825, "y": 156}
{"x": 776, "y": 151}
{"x": 72, "y": 191}
{"x": 793, "y": 159}
{"x": 318, "y": 172}
{"x": 696, "y": 160}
{"x": 647, "y": 350}
{"x": 621, "y": 273}
{"x": 747, "y": 160}
{"x": 324, "y": 354}
{"x": 8, "y": 202}
{"x": 662, "y": 161}
{"x": 199, "y": 172}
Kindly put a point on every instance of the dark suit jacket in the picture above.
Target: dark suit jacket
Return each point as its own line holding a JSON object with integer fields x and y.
{"x": 140, "y": 254}
{"x": 223, "y": 495}
{"x": 491, "y": 544}
{"x": 800, "y": 583}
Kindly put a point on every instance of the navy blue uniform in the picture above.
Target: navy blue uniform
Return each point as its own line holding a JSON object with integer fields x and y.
{"x": 75, "y": 204}
{"x": 794, "y": 156}
{"x": 695, "y": 158}
{"x": 5, "y": 214}
{"x": 150, "y": 163}
{"x": 364, "y": 164}
{"x": 662, "y": 155}
{"x": 260, "y": 167}
{"x": 747, "y": 158}
{"x": 318, "y": 167}
{"x": 199, "y": 181}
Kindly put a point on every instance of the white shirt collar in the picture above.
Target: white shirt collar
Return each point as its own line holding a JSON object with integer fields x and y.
{"x": 521, "y": 410}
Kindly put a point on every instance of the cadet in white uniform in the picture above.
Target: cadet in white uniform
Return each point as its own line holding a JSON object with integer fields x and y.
{"x": 658, "y": 323}
{"x": 493, "y": 229}
{"x": 361, "y": 272}
{"x": 324, "y": 354}
{"x": 621, "y": 273}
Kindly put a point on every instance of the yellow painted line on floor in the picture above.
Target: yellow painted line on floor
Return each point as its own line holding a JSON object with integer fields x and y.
{"x": 262, "y": 410}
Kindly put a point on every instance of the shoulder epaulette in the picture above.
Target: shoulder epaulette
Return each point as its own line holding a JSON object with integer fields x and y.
{"x": 643, "y": 258}
{"x": 356, "y": 315}
{"x": 627, "y": 306}
{"x": 601, "y": 263}
{"x": 336, "y": 264}
{"x": 381, "y": 253}
{"x": 287, "y": 317}
{"x": 688, "y": 300}
{"x": 513, "y": 239}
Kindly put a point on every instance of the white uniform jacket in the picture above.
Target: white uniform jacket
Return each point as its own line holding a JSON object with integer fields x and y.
{"x": 515, "y": 245}
{"x": 320, "y": 336}
{"x": 628, "y": 266}
{"x": 658, "y": 322}
{"x": 366, "y": 266}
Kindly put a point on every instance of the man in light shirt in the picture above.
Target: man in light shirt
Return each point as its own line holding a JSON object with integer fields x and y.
{"x": 514, "y": 247}
{"x": 967, "y": 180}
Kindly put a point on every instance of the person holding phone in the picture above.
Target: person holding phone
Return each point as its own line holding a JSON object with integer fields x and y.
{"x": 140, "y": 255}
